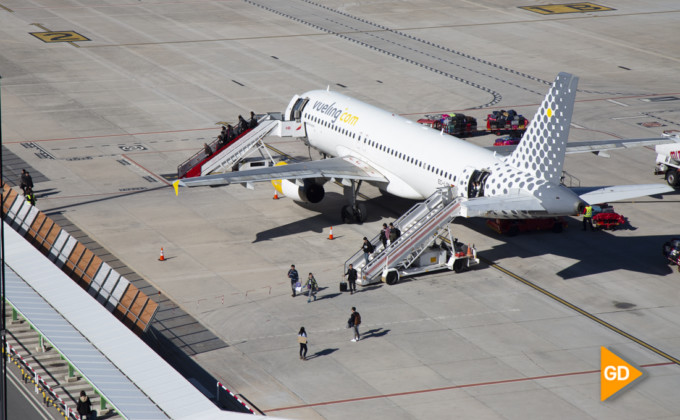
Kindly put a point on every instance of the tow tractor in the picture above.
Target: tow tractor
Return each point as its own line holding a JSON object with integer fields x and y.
{"x": 509, "y": 122}
{"x": 668, "y": 159}
{"x": 458, "y": 125}
{"x": 604, "y": 217}
{"x": 671, "y": 251}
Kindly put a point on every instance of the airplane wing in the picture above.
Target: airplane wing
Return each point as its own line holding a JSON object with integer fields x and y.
{"x": 509, "y": 203}
{"x": 599, "y": 147}
{"x": 340, "y": 168}
{"x": 594, "y": 195}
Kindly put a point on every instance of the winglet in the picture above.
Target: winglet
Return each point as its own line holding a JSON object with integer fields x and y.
{"x": 175, "y": 185}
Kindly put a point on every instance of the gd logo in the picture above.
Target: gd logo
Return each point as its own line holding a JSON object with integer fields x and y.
{"x": 615, "y": 374}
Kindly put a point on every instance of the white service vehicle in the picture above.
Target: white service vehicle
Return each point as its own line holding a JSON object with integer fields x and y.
{"x": 668, "y": 159}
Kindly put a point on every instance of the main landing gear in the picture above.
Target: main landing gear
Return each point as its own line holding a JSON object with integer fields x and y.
{"x": 354, "y": 212}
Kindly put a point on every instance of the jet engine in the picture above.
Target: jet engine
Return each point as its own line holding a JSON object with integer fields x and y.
{"x": 310, "y": 191}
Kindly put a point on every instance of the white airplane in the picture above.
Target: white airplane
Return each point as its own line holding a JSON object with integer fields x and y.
{"x": 406, "y": 159}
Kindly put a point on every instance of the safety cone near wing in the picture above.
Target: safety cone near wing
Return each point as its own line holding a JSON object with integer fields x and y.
{"x": 330, "y": 235}
{"x": 162, "y": 257}
{"x": 276, "y": 195}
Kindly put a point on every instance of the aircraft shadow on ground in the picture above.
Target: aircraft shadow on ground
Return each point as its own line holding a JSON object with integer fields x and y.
{"x": 594, "y": 252}
{"x": 329, "y": 215}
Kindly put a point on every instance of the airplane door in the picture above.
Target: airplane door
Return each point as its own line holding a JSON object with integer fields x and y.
{"x": 476, "y": 183}
{"x": 296, "y": 111}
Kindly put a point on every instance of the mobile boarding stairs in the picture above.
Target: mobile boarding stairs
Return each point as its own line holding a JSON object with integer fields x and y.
{"x": 229, "y": 155}
{"x": 416, "y": 251}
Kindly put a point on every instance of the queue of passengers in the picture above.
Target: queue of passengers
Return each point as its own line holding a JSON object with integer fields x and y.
{"x": 229, "y": 132}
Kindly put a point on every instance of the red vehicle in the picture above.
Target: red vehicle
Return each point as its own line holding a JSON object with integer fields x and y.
{"x": 458, "y": 125}
{"x": 507, "y": 141}
{"x": 499, "y": 122}
{"x": 604, "y": 217}
{"x": 671, "y": 251}
{"x": 513, "y": 227}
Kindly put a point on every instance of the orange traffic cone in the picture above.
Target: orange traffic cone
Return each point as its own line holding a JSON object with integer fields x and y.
{"x": 469, "y": 253}
{"x": 276, "y": 195}
{"x": 330, "y": 235}
{"x": 162, "y": 257}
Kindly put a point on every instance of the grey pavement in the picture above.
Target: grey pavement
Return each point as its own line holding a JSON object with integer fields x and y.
{"x": 104, "y": 120}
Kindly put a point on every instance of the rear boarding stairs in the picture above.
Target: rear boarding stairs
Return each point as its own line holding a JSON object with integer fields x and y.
{"x": 416, "y": 251}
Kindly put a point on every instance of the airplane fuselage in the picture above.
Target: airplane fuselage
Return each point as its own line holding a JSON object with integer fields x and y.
{"x": 417, "y": 159}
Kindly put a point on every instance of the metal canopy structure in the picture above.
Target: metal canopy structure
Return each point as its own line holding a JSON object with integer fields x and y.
{"x": 113, "y": 359}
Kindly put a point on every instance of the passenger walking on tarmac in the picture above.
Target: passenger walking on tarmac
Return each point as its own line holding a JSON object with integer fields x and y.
{"x": 207, "y": 149}
{"x": 253, "y": 120}
{"x": 368, "y": 249}
{"x": 84, "y": 407}
{"x": 384, "y": 235}
{"x": 394, "y": 233}
{"x": 312, "y": 287}
{"x": 354, "y": 322}
{"x": 302, "y": 339}
{"x": 351, "y": 279}
{"x": 30, "y": 196}
{"x": 588, "y": 217}
{"x": 242, "y": 124}
{"x": 294, "y": 278}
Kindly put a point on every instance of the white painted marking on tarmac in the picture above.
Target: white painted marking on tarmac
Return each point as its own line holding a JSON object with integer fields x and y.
{"x": 576, "y": 125}
{"x": 629, "y": 118}
{"x": 436, "y": 318}
{"x": 616, "y": 102}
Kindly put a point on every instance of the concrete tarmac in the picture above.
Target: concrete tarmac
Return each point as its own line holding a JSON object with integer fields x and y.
{"x": 107, "y": 118}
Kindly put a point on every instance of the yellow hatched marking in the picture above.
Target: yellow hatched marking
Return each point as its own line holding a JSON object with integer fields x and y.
{"x": 59, "y": 36}
{"x": 556, "y": 9}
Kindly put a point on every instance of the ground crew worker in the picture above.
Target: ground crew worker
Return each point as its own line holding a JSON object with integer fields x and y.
{"x": 30, "y": 196}
{"x": 588, "y": 217}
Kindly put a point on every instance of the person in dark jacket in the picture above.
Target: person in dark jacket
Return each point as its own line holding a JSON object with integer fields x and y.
{"x": 208, "y": 151}
{"x": 294, "y": 278}
{"x": 394, "y": 233}
{"x": 84, "y": 406}
{"x": 384, "y": 235}
{"x": 368, "y": 249}
{"x": 354, "y": 322}
{"x": 230, "y": 133}
{"x": 351, "y": 279}
{"x": 242, "y": 124}
{"x": 252, "y": 123}
{"x": 26, "y": 181}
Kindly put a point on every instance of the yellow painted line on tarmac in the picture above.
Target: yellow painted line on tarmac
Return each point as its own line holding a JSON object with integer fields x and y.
{"x": 583, "y": 312}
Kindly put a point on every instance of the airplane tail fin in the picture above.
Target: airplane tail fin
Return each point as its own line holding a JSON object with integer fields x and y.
{"x": 543, "y": 146}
